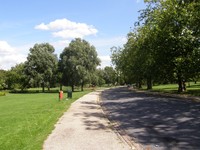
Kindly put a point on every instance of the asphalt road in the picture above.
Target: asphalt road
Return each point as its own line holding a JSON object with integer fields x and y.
{"x": 155, "y": 122}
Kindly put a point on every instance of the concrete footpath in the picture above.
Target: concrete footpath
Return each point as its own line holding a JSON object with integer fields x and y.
{"x": 84, "y": 127}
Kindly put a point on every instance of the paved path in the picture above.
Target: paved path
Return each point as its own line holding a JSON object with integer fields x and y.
{"x": 84, "y": 127}
{"x": 155, "y": 122}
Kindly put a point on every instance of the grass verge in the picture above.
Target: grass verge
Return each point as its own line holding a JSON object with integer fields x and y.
{"x": 191, "y": 89}
{"x": 27, "y": 119}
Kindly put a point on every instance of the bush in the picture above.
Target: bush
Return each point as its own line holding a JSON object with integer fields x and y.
{"x": 2, "y": 94}
{"x": 19, "y": 91}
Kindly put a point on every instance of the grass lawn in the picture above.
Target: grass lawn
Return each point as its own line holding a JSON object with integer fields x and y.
{"x": 27, "y": 119}
{"x": 171, "y": 88}
{"x": 191, "y": 89}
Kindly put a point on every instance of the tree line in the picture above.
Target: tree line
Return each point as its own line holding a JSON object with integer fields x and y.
{"x": 76, "y": 66}
{"x": 163, "y": 46}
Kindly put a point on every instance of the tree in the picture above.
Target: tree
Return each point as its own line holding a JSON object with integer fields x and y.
{"x": 16, "y": 78}
{"x": 3, "y": 85}
{"x": 100, "y": 77}
{"x": 78, "y": 62}
{"x": 120, "y": 64}
{"x": 41, "y": 65}
{"x": 109, "y": 75}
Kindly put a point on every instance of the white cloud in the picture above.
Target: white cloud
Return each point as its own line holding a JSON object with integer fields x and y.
{"x": 68, "y": 34}
{"x": 67, "y": 29}
{"x": 105, "y": 58}
{"x": 42, "y": 26}
{"x": 105, "y": 61}
{"x": 9, "y": 56}
{"x": 5, "y": 48}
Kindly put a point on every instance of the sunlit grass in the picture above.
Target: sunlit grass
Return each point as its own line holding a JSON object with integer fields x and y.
{"x": 27, "y": 119}
{"x": 170, "y": 88}
{"x": 191, "y": 88}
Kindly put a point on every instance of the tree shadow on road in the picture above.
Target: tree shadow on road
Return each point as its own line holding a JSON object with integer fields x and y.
{"x": 162, "y": 122}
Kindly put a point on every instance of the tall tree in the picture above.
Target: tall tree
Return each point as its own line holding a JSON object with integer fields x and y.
{"x": 41, "y": 64}
{"x": 77, "y": 62}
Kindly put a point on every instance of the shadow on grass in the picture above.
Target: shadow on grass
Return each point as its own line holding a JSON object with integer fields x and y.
{"x": 195, "y": 92}
{"x": 194, "y": 85}
{"x": 37, "y": 91}
{"x": 32, "y": 91}
{"x": 189, "y": 91}
{"x": 156, "y": 121}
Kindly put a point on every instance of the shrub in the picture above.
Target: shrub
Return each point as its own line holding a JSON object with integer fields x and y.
{"x": 2, "y": 94}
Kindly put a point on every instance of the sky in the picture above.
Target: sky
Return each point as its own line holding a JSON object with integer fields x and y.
{"x": 103, "y": 23}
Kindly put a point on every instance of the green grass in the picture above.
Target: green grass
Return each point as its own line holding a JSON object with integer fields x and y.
{"x": 39, "y": 90}
{"x": 27, "y": 119}
{"x": 191, "y": 89}
{"x": 170, "y": 88}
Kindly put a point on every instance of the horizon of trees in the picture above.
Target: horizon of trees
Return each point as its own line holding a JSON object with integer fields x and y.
{"x": 76, "y": 66}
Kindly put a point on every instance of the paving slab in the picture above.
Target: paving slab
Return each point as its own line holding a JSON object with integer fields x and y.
{"x": 84, "y": 127}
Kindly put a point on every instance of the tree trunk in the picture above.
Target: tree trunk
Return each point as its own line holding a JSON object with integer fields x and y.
{"x": 184, "y": 86}
{"x": 180, "y": 84}
{"x": 49, "y": 86}
{"x": 149, "y": 83}
{"x": 72, "y": 87}
{"x": 180, "y": 87}
{"x": 43, "y": 87}
{"x": 60, "y": 87}
{"x": 188, "y": 84}
{"x": 139, "y": 84}
{"x": 82, "y": 86}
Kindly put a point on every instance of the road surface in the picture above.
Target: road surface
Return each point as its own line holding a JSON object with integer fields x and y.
{"x": 155, "y": 122}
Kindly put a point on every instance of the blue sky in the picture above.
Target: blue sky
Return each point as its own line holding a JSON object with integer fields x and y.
{"x": 103, "y": 23}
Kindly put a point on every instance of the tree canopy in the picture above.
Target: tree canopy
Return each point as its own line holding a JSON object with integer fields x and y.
{"x": 164, "y": 45}
{"x": 78, "y": 62}
{"x": 41, "y": 65}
